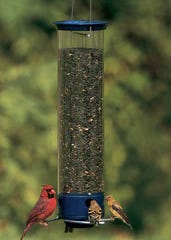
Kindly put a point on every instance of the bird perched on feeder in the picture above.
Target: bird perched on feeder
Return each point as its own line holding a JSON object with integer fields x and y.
{"x": 44, "y": 207}
{"x": 117, "y": 211}
{"x": 94, "y": 212}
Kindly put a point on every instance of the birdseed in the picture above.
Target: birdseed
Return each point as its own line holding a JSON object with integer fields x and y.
{"x": 80, "y": 125}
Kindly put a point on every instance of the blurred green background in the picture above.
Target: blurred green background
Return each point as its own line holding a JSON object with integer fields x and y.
{"x": 137, "y": 85}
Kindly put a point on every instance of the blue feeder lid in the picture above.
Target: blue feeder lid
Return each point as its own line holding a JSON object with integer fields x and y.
{"x": 80, "y": 25}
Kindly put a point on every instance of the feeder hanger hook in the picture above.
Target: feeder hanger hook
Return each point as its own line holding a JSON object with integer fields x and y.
{"x": 90, "y": 15}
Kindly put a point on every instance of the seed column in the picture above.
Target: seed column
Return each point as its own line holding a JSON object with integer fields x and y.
{"x": 80, "y": 116}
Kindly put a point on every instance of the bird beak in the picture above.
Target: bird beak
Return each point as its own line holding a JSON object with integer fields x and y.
{"x": 53, "y": 191}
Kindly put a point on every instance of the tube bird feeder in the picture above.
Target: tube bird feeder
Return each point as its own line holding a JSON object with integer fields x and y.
{"x": 80, "y": 117}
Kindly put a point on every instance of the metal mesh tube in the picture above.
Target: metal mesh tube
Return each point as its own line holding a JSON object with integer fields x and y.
{"x": 80, "y": 117}
{"x": 81, "y": 120}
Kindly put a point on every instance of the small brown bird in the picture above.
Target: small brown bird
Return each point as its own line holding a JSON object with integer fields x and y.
{"x": 117, "y": 211}
{"x": 94, "y": 212}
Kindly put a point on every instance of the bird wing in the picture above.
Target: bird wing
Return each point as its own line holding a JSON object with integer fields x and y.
{"x": 116, "y": 207}
{"x": 97, "y": 210}
{"x": 39, "y": 211}
{"x": 95, "y": 213}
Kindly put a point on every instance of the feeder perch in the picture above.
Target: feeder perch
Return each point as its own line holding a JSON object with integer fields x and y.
{"x": 80, "y": 119}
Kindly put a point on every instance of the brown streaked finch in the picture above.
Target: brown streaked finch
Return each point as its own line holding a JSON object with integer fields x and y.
{"x": 94, "y": 212}
{"x": 117, "y": 210}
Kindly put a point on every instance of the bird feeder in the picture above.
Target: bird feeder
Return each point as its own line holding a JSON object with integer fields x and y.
{"x": 80, "y": 117}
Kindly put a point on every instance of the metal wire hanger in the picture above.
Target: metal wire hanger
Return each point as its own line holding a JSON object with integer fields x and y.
{"x": 90, "y": 15}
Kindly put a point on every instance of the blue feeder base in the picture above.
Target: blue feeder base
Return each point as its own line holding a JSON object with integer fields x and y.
{"x": 74, "y": 206}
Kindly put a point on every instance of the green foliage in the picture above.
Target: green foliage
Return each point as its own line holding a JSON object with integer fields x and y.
{"x": 137, "y": 113}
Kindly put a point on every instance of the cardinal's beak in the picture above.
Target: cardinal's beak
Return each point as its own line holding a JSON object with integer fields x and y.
{"x": 53, "y": 191}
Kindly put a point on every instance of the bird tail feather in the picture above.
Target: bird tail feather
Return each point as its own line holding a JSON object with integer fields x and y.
{"x": 129, "y": 225}
{"x": 28, "y": 226}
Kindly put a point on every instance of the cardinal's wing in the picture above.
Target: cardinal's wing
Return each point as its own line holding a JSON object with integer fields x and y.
{"x": 39, "y": 211}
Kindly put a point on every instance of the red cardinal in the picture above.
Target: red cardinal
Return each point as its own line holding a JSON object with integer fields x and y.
{"x": 44, "y": 207}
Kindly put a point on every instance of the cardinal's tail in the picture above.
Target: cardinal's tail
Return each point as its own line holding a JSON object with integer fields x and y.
{"x": 28, "y": 226}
